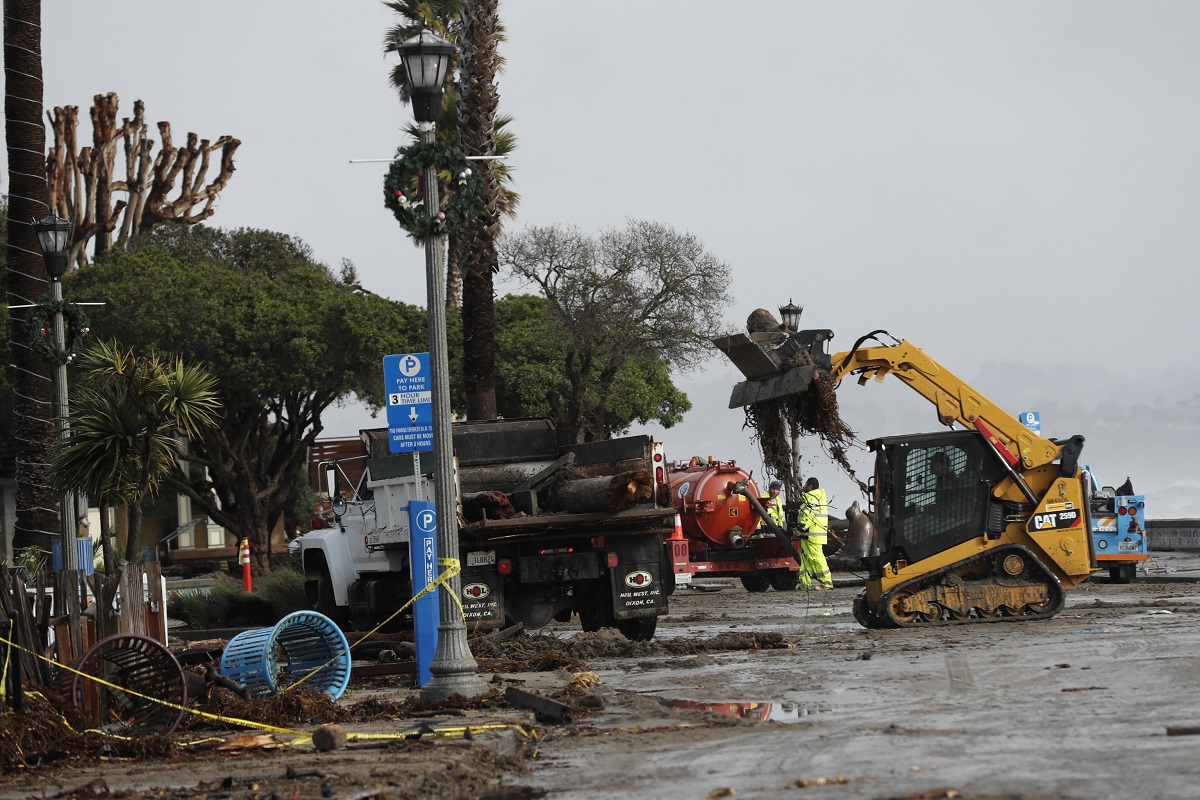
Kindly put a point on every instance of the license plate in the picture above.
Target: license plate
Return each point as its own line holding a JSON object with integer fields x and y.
{"x": 1127, "y": 547}
{"x": 481, "y": 558}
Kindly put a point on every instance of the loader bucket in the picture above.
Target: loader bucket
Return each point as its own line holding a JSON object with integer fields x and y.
{"x": 776, "y": 364}
{"x": 795, "y": 381}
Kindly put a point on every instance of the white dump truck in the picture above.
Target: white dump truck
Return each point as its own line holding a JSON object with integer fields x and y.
{"x": 546, "y": 532}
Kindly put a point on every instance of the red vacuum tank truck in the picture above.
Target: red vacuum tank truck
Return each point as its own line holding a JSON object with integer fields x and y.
{"x": 720, "y": 529}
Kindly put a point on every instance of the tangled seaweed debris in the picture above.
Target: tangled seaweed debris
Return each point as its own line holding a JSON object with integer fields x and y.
{"x": 51, "y": 730}
{"x": 778, "y": 421}
{"x": 303, "y": 705}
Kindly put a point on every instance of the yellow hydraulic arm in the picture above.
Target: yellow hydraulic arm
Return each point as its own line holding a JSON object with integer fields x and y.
{"x": 955, "y": 399}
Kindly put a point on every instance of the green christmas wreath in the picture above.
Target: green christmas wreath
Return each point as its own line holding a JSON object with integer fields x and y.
{"x": 460, "y": 189}
{"x": 40, "y": 334}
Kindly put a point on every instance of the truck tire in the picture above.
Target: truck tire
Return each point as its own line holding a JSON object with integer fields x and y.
{"x": 325, "y": 601}
{"x": 595, "y": 607}
{"x": 758, "y": 581}
{"x": 638, "y": 629}
{"x": 784, "y": 580}
{"x": 1122, "y": 573}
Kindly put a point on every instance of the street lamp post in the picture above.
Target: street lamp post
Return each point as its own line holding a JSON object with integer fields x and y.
{"x": 790, "y": 316}
{"x": 454, "y": 670}
{"x": 54, "y": 236}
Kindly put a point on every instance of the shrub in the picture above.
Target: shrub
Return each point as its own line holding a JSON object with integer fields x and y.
{"x": 227, "y": 605}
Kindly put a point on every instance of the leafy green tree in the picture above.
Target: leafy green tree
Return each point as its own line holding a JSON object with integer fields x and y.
{"x": 531, "y": 348}
{"x": 638, "y": 295}
{"x": 285, "y": 337}
{"x": 125, "y": 412}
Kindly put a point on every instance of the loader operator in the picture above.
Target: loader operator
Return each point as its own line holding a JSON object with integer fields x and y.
{"x": 814, "y": 524}
{"x": 773, "y": 503}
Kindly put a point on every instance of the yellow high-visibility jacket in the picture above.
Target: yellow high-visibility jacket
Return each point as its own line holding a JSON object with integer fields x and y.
{"x": 814, "y": 515}
{"x": 774, "y": 510}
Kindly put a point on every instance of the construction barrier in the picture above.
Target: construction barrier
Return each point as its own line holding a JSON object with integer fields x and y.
{"x": 303, "y": 646}
{"x": 247, "y": 583}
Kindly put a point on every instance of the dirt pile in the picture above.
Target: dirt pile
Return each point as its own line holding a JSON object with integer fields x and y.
{"x": 609, "y": 643}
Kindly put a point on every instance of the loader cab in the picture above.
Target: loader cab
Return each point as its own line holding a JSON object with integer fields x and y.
{"x": 932, "y": 492}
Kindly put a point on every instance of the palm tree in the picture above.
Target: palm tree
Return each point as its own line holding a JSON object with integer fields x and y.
{"x": 477, "y": 103}
{"x": 125, "y": 413}
{"x": 477, "y": 30}
{"x": 25, "y": 138}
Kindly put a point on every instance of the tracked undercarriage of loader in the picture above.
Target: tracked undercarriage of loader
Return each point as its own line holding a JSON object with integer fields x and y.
{"x": 985, "y": 523}
{"x": 1005, "y": 584}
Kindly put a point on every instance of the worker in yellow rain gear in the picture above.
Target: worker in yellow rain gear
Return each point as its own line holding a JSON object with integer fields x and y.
{"x": 773, "y": 504}
{"x": 814, "y": 526}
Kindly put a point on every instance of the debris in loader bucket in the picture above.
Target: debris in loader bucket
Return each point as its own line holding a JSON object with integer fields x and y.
{"x": 788, "y": 394}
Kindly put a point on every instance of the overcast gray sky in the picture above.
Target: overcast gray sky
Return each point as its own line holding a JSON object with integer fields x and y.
{"x": 1011, "y": 186}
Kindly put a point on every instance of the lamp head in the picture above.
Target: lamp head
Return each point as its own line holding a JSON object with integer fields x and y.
{"x": 54, "y": 237}
{"x": 426, "y": 58}
{"x": 790, "y": 315}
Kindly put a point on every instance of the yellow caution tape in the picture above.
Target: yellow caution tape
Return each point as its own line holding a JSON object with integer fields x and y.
{"x": 4, "y": 674}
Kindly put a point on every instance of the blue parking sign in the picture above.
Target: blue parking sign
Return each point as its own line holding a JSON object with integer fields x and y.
{"x": 409, "y": 389}
{"x": 1033, "y": 421}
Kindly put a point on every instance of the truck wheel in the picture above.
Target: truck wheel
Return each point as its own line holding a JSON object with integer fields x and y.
{"x": 325, "y": 601}
{"x": 758, "y": 581}
{"x": 1122, "y": 573}
{"x": 595, "y": 608}
{"x": 784, "y": 580}
{"x": 638, "y": 629}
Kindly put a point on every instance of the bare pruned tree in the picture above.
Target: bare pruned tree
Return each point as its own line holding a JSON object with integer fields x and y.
{"x": 171, "y": 185}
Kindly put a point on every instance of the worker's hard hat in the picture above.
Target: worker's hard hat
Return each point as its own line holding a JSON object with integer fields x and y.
{"x": 776, "y": 485}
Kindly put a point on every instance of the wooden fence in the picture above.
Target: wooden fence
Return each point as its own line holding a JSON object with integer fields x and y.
{"x": 52, "y": 603}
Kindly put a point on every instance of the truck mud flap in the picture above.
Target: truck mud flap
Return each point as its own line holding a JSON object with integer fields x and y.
{"x": 482, "y": 599}
{"x": 638, "y": 585}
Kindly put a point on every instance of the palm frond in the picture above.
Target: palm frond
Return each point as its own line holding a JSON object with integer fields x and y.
{"x": 125, "y": 412}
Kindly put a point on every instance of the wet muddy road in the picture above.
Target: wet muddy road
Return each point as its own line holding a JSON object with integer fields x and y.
{"x": 1077, "y": 706}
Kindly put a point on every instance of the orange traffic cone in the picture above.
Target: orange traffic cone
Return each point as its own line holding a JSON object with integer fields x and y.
{"x": 677, "y": 534}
